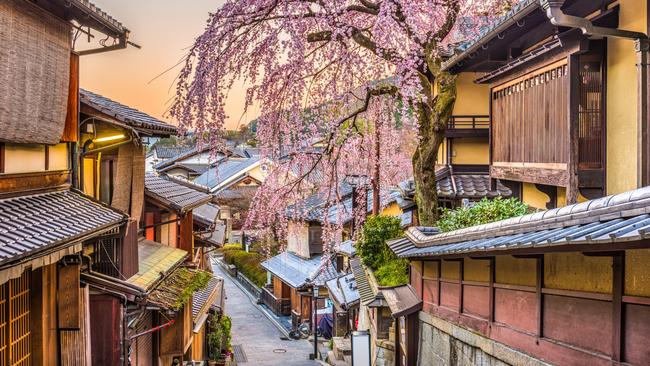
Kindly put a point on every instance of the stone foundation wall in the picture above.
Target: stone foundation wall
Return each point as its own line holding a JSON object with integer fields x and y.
{"x": 384, "y": 353}
{"x": 446, "y": 344}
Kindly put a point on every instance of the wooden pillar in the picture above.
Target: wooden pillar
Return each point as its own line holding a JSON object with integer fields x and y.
{"x": 187, "y": 234}
{"x": 618, "y": 311}
{"x": 439, "y": 289}
{"x": 491, "y": 294}
{"x": 43, "y": 316}
{"x": 461, "y": 265}
{"x": 412, "y": 338}
{"x": 540, "y": 296}
{"x": 573, "y": 107}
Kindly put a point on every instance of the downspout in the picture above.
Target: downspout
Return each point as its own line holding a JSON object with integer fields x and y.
{"x": 553, "y": 9}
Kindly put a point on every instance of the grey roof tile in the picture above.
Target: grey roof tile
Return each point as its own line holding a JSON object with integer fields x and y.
{"x": 32, "y": 223}
{"x": 295, "y": 271}
{"x": 366, "y": 291}
{"x": 129, "y": 116}
{"x": 178, "y": 196}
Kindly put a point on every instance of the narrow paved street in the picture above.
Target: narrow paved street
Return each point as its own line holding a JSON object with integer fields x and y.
{"x": 259, "y": 339}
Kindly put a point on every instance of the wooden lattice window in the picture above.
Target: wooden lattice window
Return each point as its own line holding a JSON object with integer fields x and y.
{"x": 15, "y": 330}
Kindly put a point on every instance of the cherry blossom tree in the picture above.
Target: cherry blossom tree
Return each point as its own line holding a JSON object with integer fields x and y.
{"x": 334, "y": 80}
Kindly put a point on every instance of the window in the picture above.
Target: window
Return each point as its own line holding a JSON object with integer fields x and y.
{"x": 15, "y": 331}
{"x": 315, "y": 239}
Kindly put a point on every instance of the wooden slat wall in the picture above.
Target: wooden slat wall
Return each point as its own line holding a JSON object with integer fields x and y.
{"x": 530, "y": 118}
{"x": 75, "y": 350}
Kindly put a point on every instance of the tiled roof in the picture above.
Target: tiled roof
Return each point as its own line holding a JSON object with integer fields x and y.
{"x": 97, "y": 13}
{"x": 457, "y": 186}
{"x": 613, "y": 219}
{"x": 343, "y": 290}
{"x": 168, "y": 152}
{"x": 131, "y": 117}
{"x": 401, "y": 300}
{"x": 226, "y": 170}
{"x": 520, "y": 10}
{"x": 209, "y": 297}
{"x": 295, "y": 271}
{"x": 29, "y": 224}
{"x": 177, "y": 196}
{"x": 366, "y": 291}
{"x": 154, "y": 259}
{"x": 206, "y": 214}
{"x": 347, "y": 248}
{"x": 195, "y": 169}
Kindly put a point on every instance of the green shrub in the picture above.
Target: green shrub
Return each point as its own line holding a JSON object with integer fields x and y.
{"x": 375, "y": 253}
{"x": 393, "y": 273}
{"x": 372, "y": 246}
{"x": 219, "y": 335}
{"x": 484, "y": 211}
{"x": 247, "y": 263}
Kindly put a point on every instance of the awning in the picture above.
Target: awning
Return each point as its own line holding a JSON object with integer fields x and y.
{"x": 401, "y": 300}
{"x": 45, "y": 227}
{"x": 343, "y": 291}
{"x": 155, "y": 260}
{"x": 296, "y": 271}
{"x": 619, "y": 218}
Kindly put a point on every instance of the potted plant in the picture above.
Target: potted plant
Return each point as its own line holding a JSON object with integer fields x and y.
{"x": 218, "y": 340}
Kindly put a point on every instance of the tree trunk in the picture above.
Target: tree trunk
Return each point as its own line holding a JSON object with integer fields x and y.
{"x": 433, "y": 115}
{"x": 376, "y": 174}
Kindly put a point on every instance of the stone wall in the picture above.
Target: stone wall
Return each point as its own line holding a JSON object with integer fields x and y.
{"x": 446, "y": 344}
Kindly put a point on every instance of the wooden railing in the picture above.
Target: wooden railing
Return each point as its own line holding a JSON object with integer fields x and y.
{"x": 279, "y": 306}
{"x": 468, "y": 122}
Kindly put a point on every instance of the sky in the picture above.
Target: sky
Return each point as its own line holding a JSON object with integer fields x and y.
{"x": 165, "y": 29}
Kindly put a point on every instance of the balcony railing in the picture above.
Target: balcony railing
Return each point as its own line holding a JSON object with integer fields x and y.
{"x": 280, "y": 307}
{"x": 476, "y": 122}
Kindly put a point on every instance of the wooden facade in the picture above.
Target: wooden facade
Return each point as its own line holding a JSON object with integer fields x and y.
{"x": 563, "y": 308}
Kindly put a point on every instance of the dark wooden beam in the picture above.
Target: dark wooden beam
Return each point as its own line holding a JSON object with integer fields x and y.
{"x": 439, "y": 282}
{"x": 47, "y": 157}
{"x": 573, "y": 111}
{"x": 461, "y": 270}
{"x": 553, "y": 177}
{"x": 491, "y": 294}
{"x": 2, "y": 157}
{"x": 618, "y": 311}
{"x": 540, "y": 297}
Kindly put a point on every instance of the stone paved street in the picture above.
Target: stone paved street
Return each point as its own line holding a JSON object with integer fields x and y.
{"x": 259, "y": 338}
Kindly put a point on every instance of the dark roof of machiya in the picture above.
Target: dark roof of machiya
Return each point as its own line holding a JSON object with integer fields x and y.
{"x": 343, "y": 290}
{"x": 131, "y": 117}
{"x": 608, "y": 220}
{"x": 458, "y": 186}
{"x": 366, "y": 291}
{"x": 33, "y": 223}
{"x": 401, "y": 300}
{"x": 209, "y": 297}
{"x": 296, "y": 271}
{"x": 177, "y": 196}
{"x": 518, "y": 12}
{"x": 206, "y": 214}
{"x": 89, "y": 15}
{"x": 192, "y": 168}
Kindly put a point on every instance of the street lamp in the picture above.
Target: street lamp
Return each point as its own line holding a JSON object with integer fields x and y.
{"x": 314, "y": 315}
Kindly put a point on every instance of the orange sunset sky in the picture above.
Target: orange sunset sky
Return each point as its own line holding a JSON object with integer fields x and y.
{"x": 165, "y": 29}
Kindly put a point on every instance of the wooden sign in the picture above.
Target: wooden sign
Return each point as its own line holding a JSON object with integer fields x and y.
{"x": 69, "y": 297}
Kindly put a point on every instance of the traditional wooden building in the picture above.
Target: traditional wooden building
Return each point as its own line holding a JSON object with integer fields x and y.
{"x": 47, "y": 222}
{"x": 567, "y": 98}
